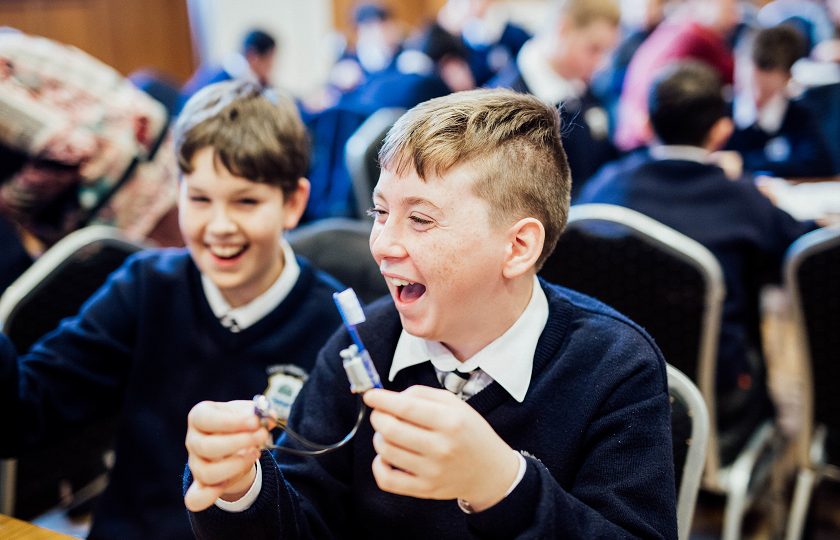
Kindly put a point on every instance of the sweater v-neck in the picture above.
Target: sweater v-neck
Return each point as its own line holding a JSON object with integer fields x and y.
{"x": 270, "y": 322}
{"x": 493, "y": 395}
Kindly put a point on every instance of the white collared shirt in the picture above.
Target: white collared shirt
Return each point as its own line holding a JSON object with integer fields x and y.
{"x": 769, "y": 119}
{"x": 240, "y": 318}
{"x": 508, "y": 360}
{"x": 679, "y": 152}
{"x": 541, "y": 79}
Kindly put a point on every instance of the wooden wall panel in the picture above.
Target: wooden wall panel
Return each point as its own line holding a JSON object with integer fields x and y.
{"x": 411, "y": 13}
{"x": 125, "y": 34}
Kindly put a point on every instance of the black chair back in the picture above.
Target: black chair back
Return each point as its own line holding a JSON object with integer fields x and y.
{"x": 340, "y": 247}
{"x": 812, "y": 274}
{"x": 70, "y": 471}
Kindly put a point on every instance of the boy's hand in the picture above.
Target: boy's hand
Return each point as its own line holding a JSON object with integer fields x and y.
{"x": 223, "y": 440}
{"x": 432, "y": 445}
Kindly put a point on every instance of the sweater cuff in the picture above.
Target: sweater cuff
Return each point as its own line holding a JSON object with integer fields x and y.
{"x": 248, "y": 499}
{"x": 513, "y": 514}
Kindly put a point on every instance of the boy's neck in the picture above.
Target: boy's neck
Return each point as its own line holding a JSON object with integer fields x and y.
{"x": 492, "y": 323}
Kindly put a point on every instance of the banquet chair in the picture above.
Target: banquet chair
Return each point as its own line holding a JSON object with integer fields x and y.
{"x": 673, "y": 287}
{"x": 690, "y": 433}
{"x": 812, "y": 279}
{"x": 70, "y": 470}
{"x": 340, "y": 247}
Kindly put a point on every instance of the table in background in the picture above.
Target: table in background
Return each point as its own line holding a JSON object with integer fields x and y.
{"x": 15, "y": 529}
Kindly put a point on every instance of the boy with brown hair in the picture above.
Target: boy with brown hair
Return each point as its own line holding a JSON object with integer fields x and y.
{"x": 511, "y": 408}
{"x": 232, "y": 314}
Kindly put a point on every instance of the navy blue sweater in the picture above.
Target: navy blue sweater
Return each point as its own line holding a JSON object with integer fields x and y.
{"x": 595, "y": 427}
{"x": 148, "y": 340}
{"x": 733, "y": 220}
{"x": 797, "y": 150}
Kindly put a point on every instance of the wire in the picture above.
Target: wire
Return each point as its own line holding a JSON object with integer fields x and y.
{"x": 315, "y": 449}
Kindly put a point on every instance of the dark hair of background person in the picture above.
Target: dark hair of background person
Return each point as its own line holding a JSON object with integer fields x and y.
{"x": 259, "y": 42}
{"x": 778, "y": 47}
{"x": 685, "y": 101}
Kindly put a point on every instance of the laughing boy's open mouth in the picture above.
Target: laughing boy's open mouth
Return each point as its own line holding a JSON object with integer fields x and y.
{"x": 227, "y": 253}
{"x": 407, "y": 291}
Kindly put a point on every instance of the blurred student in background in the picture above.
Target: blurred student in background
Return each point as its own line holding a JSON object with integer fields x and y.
{"x": 698, "y": 30}
{"x": 254, "y": 63}
{"x": 556, "y": 66}
{"x": 775, "y": 134}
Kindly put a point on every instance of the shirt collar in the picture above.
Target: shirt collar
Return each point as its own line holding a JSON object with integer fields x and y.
{"x": 509, "y": 359}
{"x": 259, "y": 307}
{"x": 769, "y": 119}
{"x": 541, "y": 79}
{"x": 679, "y": 152}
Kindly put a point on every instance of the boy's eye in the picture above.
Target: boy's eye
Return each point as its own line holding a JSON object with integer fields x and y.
{"x": 248, "y": 201}
{"x": 376, "y": 213}
{"x": 420, "y": 222}
{"x": 199, "y": 198}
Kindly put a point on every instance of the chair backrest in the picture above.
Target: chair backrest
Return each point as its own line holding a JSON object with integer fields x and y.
{"x": 690, "y": 435}
{"x": 340, "y": 247}
{"x": 812, "y": 277}
{"x": 331, "y": 192}
{"x": 53, "y": 288}
{"x": 666, "y": 282}
{"x": 361, "y": 155}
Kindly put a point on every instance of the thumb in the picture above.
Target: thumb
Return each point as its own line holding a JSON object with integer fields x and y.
{"x": 200, "y": 497}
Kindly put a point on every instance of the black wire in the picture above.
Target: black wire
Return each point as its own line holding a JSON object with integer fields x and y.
{"x": 316, "y": 449}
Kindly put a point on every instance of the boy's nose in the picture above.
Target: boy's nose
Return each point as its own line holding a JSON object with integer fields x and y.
{"x": 385, "y": 242}
{"x": 221, "y": 222}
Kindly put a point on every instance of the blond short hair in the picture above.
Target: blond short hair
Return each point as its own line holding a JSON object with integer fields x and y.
{"x": 256, "y": 134}
{"x": 582, "y": 13}
{"x": 511, "y": 143}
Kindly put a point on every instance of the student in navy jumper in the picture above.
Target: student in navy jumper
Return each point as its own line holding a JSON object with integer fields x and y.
{"x": 775, "y": 134}
{"x": 563, "y": 430}
{"x": 675, "y": 183}
{"x": 230, "y": 316}
{"x": 556, "y": 65}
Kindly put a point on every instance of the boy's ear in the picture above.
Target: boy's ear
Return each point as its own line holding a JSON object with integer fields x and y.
{"x": 719, "y": 134}
{"x": 526, "y": 238}
{"x": 294, "y": 204}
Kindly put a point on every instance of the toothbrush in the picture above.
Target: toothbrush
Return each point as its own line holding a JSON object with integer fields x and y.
{"x": 356, "y": 359}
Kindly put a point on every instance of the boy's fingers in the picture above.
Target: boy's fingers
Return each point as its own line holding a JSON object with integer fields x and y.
{"x": 400, "y": 433}
{"x": 212, "y": 473}
{"x": 200, "y": 497}
{"x": 216, "y": 447}
{"x": 393, "y": 480}
{"x": 229, "y": 417}
{"x": 423, "y": 406}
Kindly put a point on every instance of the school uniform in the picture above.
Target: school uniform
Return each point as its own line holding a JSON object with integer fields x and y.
{"x": 585, "y": 131}
{"x": 592, "y": 427}
{"x": 783, "y": 139}
{"x": 153, "y": 342}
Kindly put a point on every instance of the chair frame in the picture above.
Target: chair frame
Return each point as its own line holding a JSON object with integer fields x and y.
{"x": 679, "y": 383}
{"x": 736, "y": 480}
{"x": 812, "y": 466}
{"x": 29, "y": 282}
{"x": 355, "y": 154}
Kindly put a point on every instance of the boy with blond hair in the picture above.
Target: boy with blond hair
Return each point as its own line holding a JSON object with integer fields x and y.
{"x": 511, "y": 408}
{"x": 557, "y": 64}
{"x": 233, "y": 314}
